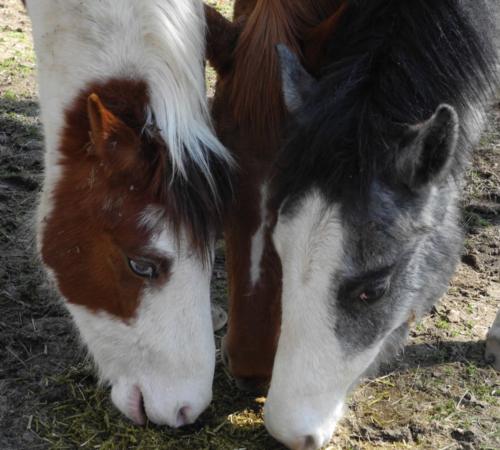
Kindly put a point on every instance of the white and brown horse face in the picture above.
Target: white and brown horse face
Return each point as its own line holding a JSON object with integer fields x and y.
{"x": 125, "y": 258}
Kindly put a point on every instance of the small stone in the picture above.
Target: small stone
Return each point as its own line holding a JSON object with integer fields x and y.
{"x": 453, "y": 316}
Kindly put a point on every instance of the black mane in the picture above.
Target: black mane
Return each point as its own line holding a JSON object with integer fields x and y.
{"x": 389, "y": 63}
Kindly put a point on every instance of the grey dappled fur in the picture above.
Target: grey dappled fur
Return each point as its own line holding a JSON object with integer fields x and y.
{"x": 386, "y": 133}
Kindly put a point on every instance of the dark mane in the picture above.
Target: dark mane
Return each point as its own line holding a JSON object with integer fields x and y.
{"x": 256, "y": 87}
{"x": 197, "y": 208}
{"x": 189, "y": 201}
{"x": 389, "y": 63}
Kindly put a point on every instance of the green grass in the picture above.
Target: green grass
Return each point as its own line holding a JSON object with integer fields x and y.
{"x": 85, "y": 418}
{"x": 443, "y": 324}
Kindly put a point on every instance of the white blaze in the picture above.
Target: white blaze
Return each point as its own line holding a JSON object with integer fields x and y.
{"x": 311, "y": 374}
{"x": 258, "y": 239}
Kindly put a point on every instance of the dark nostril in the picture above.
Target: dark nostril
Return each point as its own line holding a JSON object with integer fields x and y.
{"x": 223, "y": 352}
{"x": 310, "y": 443}
{"x": 183, "y": 416}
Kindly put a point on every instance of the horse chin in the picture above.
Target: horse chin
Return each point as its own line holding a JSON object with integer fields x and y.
{"x": 129, "y": 400}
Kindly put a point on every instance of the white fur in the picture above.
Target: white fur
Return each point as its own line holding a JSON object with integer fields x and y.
{"x": 309, "y": 381}
{"x": 158, "y": 41}
{"x": 258, "y": 239}
{"x": 168, "y": 349}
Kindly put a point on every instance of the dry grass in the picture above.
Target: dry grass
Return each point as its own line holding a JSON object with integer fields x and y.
{"x": 440, "y": 395}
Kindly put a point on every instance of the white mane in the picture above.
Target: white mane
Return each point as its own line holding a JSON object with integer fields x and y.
{"x": 158, "y": 41}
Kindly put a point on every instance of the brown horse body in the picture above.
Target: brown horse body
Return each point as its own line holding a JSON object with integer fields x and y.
{"x": 249, "y": 115}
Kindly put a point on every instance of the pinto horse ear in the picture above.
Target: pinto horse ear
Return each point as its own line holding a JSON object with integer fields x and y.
{"x": 222, "y": 37}
{"x": 428, "y": 149}
{"x": 114, "y": 142}
{"x": 297, "y": 83}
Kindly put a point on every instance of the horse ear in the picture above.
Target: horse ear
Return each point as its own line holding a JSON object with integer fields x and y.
{"x": 297, "y": 83}
{"x": 222, "y": 37}
{"x": 427, "y": 149}
{"x": 114, "y": 142}
{"x": 317, "y": 38}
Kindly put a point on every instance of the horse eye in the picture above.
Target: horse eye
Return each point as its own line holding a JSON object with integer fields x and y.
{"x": 370, "y": 295}
{"x": 374, "y": 290}
{"x": 145, "y": 269}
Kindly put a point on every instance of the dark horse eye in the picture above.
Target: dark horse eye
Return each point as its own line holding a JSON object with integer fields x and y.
{"x": 367, "y": 288}
{"x": 144, "y": 269}
{"x": 373, "y": 293}
{"x": 374, "y": 290}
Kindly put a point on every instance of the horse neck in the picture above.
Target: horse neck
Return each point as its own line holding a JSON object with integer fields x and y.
{"x": 256, "y": 86}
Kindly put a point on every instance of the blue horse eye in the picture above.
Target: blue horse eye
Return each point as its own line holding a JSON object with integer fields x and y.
{"x": 144, "y": 269}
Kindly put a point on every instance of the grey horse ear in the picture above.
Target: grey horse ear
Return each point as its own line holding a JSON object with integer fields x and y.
{"x": 297, "y": 83}
{"x": 428, "y": 149}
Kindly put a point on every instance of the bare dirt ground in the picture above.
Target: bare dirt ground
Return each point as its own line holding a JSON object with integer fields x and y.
{"x": 440, "y": 394}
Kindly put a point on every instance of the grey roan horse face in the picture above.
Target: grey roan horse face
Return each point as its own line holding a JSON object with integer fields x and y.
{"x": 359, "y": 265}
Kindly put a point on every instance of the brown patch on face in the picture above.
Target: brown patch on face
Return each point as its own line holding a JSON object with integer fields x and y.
{"x": 94, "y": 225}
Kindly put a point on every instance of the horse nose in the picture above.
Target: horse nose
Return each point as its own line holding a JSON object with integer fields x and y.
{"x": 184, "y": 416}
{"x": 173, "y": 417}
{"x": 139, "y": 404}
{"x": 253, "y": 385}
{"x": 313, "y": 441}
{"x": 296, "y": 426}
{"x": 309, "y": 442}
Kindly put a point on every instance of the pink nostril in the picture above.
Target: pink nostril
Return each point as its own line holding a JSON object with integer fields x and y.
{"x": 136, "y": 406}
{"x": 183, "y": 416}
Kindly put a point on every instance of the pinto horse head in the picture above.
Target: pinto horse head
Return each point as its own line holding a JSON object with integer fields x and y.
{"x": 134, "y": 192}
{"x": 249, "y": 116}
{"x": 368, "y": 230}
{"x": 124, "y": 242}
